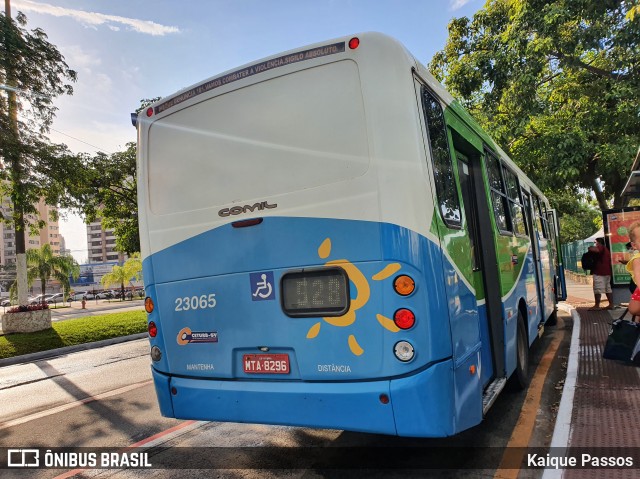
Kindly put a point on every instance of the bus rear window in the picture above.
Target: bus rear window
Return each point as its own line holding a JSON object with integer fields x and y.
{"x": 290, "y": 133}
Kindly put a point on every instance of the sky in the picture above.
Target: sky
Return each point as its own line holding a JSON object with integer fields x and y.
{"x": 127, "y": 50}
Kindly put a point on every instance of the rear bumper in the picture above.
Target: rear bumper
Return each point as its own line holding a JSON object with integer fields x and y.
{"x": 420, "y": 405}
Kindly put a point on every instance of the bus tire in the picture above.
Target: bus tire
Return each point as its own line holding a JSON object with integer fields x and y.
{"x": 519, "y": 380}
{"x": 553, "y": 319}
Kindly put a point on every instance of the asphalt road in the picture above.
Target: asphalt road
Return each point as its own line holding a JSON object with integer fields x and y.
{"x": 104, "y": 398}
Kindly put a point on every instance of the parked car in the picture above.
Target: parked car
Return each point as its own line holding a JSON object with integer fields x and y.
{"x": 110, "y": 294}
{"x": 39, "y": 299}
{"x": 96, "y": 295}
{"x": 5, "y": 303}
{"x": 56, "y": 298}
{"x": 117, "y": 293}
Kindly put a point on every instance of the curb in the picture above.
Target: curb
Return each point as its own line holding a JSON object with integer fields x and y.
{"x": 27, "y": 358}
{"x": 562, "y": 430}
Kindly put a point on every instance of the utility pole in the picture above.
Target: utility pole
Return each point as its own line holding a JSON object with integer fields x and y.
{"x": 16, "y": 176}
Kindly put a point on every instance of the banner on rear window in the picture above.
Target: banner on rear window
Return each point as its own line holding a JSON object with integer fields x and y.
{"x": 250, "y": 71}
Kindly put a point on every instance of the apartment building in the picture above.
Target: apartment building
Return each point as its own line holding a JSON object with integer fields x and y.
{"x": 101, "y": 244}
{"x": 49, "y": 234}
{"x": 64, "y": 251}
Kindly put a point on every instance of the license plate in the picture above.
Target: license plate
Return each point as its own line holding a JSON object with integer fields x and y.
{"x": 266, "y": 363}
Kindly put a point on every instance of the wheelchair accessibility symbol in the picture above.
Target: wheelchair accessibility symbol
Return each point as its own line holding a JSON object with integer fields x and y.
{"x": 262, "y": 288}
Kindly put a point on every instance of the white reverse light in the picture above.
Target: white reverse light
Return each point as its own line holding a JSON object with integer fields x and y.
{"x": 404, "y": 351}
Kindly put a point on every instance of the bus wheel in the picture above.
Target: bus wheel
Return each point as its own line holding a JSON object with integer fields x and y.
{"x": 520, "y": 378}
{"x": 553, "y": 319}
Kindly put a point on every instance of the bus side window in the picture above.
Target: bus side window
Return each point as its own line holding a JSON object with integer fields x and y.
{"x": 525, "y": 211}
{"x": 498, "y": 193}
{"x": 515, "y": 203}
{"x": 545, "y": 225}
{"x": 446, "y": 187}
{"x": 542, "y": 224}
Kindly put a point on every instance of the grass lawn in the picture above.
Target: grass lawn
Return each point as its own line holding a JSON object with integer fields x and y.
{"x": 74, "y": 331}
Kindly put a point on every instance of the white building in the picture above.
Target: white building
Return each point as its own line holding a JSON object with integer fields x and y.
{"x": 101, "y": 244}
{"x": 49, "y": 234}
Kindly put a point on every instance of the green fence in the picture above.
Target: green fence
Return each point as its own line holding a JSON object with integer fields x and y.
{"x": 571, "y": 254}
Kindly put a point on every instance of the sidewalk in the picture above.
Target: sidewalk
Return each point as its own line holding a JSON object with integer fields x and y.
{"x": 96, "y": 308}
{"x": 603, "y": 395}
{"x": 92, "y": 308}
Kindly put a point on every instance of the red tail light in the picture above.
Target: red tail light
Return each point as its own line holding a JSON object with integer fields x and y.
{"x": 354, "y": 43}
{"x": 153, "y": 329}
{"x": 404, "y": 318}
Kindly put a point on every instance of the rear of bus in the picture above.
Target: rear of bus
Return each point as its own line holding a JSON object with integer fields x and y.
{"x": 286, "y": 218}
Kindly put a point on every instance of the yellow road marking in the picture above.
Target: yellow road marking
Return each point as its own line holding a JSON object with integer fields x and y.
{"x": 526, "y": 421}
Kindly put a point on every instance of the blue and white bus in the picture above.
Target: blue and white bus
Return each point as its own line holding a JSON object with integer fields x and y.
{"x": 330, "y": 240}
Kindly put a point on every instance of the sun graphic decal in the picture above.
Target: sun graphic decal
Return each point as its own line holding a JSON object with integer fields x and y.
{"x": 364, "y": 292}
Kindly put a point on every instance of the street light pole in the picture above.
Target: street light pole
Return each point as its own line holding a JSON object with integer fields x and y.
{"x": 16, "y": 175}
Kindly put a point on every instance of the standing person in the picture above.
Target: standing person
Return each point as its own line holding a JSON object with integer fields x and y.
{"x": 633, "y": 267}
{"x": 602, "y": 274}
{"x": 631, "y": 252}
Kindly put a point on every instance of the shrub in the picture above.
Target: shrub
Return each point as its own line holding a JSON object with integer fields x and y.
{"x": 26, "y": 309}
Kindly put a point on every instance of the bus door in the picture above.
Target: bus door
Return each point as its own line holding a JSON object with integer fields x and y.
{"x": 471, "y": 215}
{"x": 557, "y": 262}
{"x": 485, "y": 263}
{"x": 533, "y": 227}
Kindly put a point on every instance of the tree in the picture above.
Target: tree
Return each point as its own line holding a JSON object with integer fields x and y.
{"x": 7, "y": 275}
{"x": 33, "y": 73}
{"x": 580, "y": 218}
{"x": 105, "y": 186}
{"x": 132, "y": 268}
{"x": 109, "y": 191}
{"x": 43, "y": 264}
{"x": 557, "y": 84}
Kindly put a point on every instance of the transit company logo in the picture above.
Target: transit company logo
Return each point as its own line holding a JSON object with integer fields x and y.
{"x": 361, "y": 299}
{"x": 186, "y": 336}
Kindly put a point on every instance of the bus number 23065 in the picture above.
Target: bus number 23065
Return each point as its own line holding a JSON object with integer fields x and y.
{"x": 196, "y": 302}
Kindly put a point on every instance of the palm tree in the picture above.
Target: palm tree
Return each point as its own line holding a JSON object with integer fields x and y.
{"x": 131, "y": 269}
{"x": 44, "y": 264}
